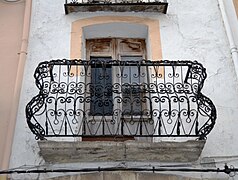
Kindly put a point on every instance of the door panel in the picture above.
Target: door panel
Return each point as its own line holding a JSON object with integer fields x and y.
{"x": 100, "y": 47}
{"x": 101, "y": 88}
{"x": 131, "y": 47}
{"x": 110, "y": 110}
{"x": 132, "y": 89}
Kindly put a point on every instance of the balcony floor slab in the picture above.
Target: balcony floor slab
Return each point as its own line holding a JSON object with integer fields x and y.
{"x": 101, "y": 151}
{"x": 117, "y": 7}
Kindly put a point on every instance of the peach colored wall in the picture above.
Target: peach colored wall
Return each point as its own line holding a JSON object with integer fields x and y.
{"x": 11, "y": 29}
{"x": 236, "y": 6}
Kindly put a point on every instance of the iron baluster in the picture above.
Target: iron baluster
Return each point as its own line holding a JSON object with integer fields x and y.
{"x": 172, "y": 104}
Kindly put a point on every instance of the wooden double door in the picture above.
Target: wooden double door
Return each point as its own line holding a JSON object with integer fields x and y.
{"x": 116, "y": 91}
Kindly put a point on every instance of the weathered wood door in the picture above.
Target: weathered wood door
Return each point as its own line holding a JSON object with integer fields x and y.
{"x": 115, "y": 91}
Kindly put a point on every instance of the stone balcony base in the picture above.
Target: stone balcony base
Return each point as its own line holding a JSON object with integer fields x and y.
{"x": 117, "y": 7}
{"x": 101, "y": 151}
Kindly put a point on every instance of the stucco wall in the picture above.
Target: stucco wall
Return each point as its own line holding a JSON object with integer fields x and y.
{"x": 197, "y": 33}
{"x": 190, "y": 30}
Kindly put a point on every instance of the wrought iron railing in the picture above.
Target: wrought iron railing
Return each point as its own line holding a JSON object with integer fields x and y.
{"x": 104, "y": 98}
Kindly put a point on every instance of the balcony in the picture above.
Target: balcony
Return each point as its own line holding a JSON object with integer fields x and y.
{"x": 141, "y": 99}
{"x": 159, "y": 6}
{"x": 129, "y": 104}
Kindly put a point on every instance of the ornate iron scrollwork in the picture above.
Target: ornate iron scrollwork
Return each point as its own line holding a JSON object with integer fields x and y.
{"x": 120, "y": 98}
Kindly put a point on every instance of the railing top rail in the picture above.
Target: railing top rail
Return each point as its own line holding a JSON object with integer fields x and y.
{"x": 124, "y": 63}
